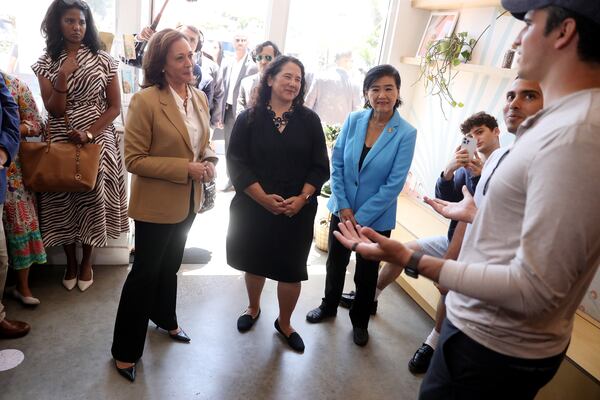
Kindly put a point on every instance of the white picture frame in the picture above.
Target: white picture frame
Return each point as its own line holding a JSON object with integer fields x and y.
{"x": 439, "y": 26}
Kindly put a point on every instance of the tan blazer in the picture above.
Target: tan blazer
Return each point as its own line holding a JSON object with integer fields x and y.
{"x": 157, "y": 153}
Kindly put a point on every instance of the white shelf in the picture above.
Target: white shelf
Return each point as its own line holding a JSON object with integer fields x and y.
{"x": 453, "y": 4}
{"x": 474, "y": 68}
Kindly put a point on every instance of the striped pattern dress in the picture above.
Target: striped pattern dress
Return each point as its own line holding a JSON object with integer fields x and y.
{"x": 92, "y": 217}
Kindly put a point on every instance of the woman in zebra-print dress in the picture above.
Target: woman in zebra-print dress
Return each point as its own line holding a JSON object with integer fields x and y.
{"x": 79, "y": 81}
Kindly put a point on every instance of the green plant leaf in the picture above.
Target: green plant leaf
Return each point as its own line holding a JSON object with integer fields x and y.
{"x": 461, "y": 105}
{"x": 455, "y": 62}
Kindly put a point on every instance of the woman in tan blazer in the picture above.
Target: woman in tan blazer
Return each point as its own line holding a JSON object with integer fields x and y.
{"x": 167, "y": 153}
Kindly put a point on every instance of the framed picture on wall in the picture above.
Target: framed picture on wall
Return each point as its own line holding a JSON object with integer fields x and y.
{"x": 439, "y": 26}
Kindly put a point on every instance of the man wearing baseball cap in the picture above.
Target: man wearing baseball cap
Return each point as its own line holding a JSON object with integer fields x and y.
{"x": 534, "y": 245}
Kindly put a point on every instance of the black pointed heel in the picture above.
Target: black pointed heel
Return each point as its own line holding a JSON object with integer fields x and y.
{"x": 127, "y": 373}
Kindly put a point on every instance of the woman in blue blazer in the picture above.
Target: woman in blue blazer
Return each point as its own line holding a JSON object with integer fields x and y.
{"x": 370, "y": 161}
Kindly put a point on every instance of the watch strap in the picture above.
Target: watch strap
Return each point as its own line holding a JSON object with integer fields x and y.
{"x": 412, "y": 267}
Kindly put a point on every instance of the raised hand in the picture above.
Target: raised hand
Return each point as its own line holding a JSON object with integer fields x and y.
{"x": 371, "y": 245}
{"x": 465, "y": 210}
{"x": 460, "y": 159}
{"x": 475, "y": 165}
{"x": 69, "y": 66}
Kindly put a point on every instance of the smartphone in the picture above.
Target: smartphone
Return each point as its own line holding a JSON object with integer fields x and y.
{"x": 470, "y": 144}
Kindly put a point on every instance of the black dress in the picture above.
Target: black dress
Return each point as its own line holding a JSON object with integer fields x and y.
{"x": 258, "y": 242}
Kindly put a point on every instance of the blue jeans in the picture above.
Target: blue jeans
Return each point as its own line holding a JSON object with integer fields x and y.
{"x": 463, "y": 369}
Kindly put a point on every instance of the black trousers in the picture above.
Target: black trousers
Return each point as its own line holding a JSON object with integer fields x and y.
{"x": 365, "y": 278}
{"x": 228, "y": 122}
{"x": 150, "y": 290}
{"x": 463, "y": 369}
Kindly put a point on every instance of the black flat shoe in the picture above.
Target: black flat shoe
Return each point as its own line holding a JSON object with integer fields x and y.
{"x": 180, "y": 336}
{"x": 360, "y": 336}
{"x": 245, "y": 322}
{"x": 127, "y": 373}
{"x": 294, "y": 340}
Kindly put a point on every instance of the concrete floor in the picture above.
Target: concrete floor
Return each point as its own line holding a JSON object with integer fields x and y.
{"x": 67, "y": 353}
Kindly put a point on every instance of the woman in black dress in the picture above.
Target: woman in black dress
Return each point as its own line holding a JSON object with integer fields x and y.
{"x": 277, "y": 161}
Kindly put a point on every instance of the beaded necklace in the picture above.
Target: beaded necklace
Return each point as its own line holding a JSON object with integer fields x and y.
{"x": 280, "y": 121}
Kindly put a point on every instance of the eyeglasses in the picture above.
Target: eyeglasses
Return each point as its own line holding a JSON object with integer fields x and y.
{"x": 487, "y": 183}
{"x": 77, "y": 3}
{"x": 267, "y": 58}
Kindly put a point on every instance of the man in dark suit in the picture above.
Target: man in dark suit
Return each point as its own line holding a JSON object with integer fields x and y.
{"x": 9, "y": 144}
{"x": 233, "y": 70}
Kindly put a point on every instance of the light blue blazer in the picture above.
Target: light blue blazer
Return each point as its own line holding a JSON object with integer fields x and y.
{"x": 371, "y": 193}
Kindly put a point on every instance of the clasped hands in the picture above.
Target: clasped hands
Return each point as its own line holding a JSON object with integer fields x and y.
{"x": 202, "y": 171}
{"x": 277, "y": 205}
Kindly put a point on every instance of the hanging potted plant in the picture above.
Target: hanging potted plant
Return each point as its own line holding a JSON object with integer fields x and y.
{"x": 438, "y": 66}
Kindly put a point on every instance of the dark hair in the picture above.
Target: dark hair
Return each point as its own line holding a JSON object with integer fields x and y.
{"x": 197, "y": 32}
{"x": 219, "y": 54}
{"x": 589, "y": 31}
{"x": 51, "y": 27}
{"x": 262, "y": 95}
{"x": 261, "y": 46}
{"x": 155, "y": 56}
{"x": 478, "y": 119}
{"x": 377, "y": 72}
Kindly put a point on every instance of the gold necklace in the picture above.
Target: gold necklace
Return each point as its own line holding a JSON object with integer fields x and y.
{"x": 185, "y": 101}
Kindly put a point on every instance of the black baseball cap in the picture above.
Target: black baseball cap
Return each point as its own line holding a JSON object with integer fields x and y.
{"x": 586, "y": 8}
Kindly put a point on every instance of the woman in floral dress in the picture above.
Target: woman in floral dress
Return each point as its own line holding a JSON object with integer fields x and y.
{"x": 23, "y": 238}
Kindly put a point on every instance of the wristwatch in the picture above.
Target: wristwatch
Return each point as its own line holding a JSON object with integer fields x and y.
{"x": 89, "y": 136}
{"x": 412, "y": 267}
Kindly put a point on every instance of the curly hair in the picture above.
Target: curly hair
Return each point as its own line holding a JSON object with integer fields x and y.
{"x": 478, "y": 119}
{"x": 155, "y": 56}
{"x": 51, "y": 27}
{"x": 262, "y": 96}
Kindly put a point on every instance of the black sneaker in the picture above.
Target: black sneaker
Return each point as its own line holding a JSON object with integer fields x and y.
{"x": 360, "y": 336}
{"x": 420, "y": 361}
{"x": 319, "y": 314}
{"x": 348, "y": 299}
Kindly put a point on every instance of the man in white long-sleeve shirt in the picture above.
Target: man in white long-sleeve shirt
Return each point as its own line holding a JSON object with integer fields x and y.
{"x": 534, "y": 245}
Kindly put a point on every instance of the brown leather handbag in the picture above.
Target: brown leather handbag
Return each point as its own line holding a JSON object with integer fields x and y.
{"x": 59, "y": 166}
